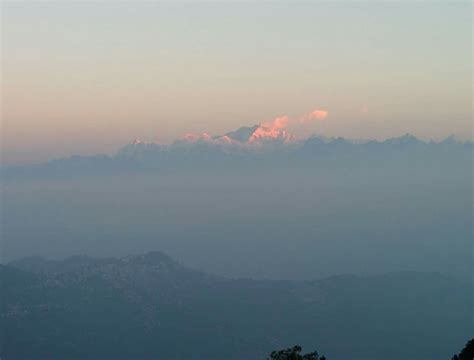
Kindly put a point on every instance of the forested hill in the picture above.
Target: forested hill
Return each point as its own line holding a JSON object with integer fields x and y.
{"x": 149, "y": 306}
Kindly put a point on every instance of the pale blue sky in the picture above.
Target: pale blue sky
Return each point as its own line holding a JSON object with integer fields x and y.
{"x": 87, "y": 77}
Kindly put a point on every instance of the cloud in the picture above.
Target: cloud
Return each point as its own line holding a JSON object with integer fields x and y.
{"x": 275, "y": 129}
{"x": 314, "y": 115}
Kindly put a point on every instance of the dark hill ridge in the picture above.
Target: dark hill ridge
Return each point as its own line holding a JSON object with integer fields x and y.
{"x": 40, "y": 265}
{"x": 149, "y": 306}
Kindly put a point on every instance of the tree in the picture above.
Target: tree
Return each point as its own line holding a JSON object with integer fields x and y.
{"x": 467, "y": 353}
{"x": 294, "y": 354}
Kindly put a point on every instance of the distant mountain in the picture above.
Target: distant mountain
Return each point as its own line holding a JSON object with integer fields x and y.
{"x": 256, "y": 148}
{"x": 404, "y": 140}
{"x": 150, "y": 306}
{"x": 242, "y": 134}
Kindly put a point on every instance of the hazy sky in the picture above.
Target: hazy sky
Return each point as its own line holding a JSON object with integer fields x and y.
{"x": 88, "y": 77}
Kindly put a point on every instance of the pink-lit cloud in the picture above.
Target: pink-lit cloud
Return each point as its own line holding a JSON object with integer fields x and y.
{"x": 314, "y": 115}
{"x": 275, "y": 129}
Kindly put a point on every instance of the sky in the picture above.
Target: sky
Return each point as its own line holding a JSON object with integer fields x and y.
{"x": 89, "y": 77}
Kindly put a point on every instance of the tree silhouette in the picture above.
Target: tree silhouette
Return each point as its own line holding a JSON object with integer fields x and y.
{"x": 467, "y": 353}
{"x": 294, "y": 354}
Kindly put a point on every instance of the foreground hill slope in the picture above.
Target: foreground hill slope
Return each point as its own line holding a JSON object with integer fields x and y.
{"x": 149, "y": 306}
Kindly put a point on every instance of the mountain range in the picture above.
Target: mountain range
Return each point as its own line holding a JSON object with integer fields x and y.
{"x": 255, "y": 148}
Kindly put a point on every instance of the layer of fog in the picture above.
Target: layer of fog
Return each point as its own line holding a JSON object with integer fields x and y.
{"x": 282, "y": 224}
